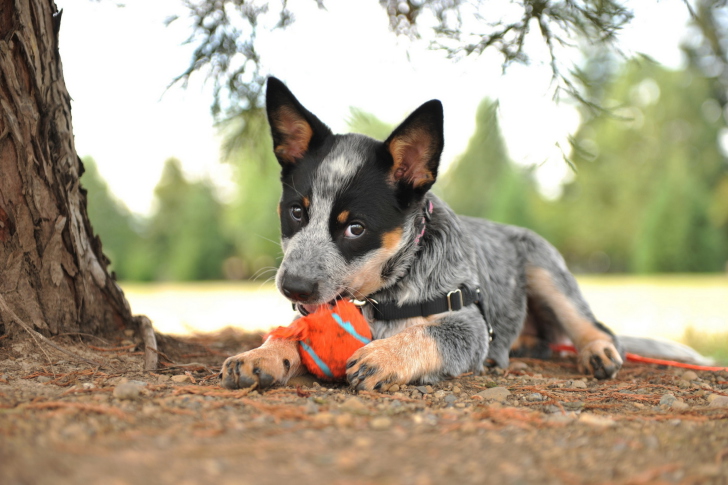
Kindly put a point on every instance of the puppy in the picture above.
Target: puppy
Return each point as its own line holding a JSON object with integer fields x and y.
{"x": 443, "y": 294}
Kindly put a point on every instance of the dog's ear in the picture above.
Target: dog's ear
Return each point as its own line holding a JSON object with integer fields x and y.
{"x": 295, "y": 130}
{"x": 416, "y": 146}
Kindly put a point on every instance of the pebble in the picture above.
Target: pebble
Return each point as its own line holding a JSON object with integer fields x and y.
{"x": 439, "y": 394}
{"x": 456, "y": 390}
{"x": 43, "y": 379}
{"x": 127, "y": 390}
{"x": 536, "y": 397}
{"x": 579, "y": 384}
{"x": 596, "y": 421}
{"x": 354, "y": 405}
{"x": 450, "y": 398}
{"x": 679, "y": 405}
{"x": 181, "y": 378}
{"x": 495, "y": 393}
{"x": 393, "y": 388}
{"x": 667, "y": 399}
{"x": 518, "y": 366}
{"x": 718, "y": 401}
{"x": 380, "y": 423}
{"x": 424, "y": 389}
{"x": 689, "y": 375}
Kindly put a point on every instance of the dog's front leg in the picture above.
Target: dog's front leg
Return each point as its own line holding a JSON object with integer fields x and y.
{"x": 424, "y": 352}
{"x": 274, "y": 362}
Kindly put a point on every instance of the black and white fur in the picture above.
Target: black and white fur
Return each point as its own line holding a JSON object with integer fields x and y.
{"x": 351, "y": 213}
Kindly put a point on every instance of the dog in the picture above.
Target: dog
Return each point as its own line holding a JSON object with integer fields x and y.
{"x": 444, "y": 294}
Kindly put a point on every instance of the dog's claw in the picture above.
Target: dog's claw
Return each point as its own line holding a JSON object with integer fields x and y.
{"x": 601, "y": 359}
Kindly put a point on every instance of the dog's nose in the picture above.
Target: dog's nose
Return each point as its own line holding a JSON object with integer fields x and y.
{"x": 299, "y": 289}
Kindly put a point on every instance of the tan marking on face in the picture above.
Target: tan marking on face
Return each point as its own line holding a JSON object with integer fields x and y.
{"x": 296, "y": 131}
{"x": 579, "y": 329}
{"x": 411, "y": 152}
{"x": 401, "y": 359}
{"x": 343, "y": 217}
{"x": 391, "y": 239}
{"x": 306, "y": 202}
{"x": 368, "y": 278}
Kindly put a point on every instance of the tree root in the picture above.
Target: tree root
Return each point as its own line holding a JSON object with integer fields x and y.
{"x": 39, "y": 338}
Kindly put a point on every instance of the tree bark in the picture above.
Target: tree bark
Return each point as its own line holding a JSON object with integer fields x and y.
{"x": 53, "y": 273}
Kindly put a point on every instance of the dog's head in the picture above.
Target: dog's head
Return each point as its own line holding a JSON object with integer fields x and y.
{"x": 350, "y": 203}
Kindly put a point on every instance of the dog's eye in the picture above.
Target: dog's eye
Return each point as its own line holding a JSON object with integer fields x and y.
{"x": 354, "y": 230}
{"x": 297, "y": 213}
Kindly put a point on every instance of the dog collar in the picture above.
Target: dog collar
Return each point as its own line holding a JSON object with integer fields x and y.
{"x": 450, "y": 302}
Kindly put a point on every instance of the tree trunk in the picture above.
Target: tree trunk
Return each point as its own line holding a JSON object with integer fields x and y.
{"x": 53, "y": 273}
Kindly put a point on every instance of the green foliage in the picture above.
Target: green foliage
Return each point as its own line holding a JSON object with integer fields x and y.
{"x": 111, "y": 219}
{"x": 483, "y": 181}
{"x": 647, "y": 177}
{"x": 184, "y": 237}
{"x": 367, "y": 124}
{"x": 251, "y": 219}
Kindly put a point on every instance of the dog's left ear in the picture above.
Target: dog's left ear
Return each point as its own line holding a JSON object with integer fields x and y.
{"x": 295, "y": 129}
{"x": 416, "y": 146}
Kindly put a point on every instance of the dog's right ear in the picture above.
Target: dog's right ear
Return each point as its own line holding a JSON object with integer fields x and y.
{"x": 295, "y": 130}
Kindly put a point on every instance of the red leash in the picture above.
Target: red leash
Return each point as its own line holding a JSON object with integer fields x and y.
{"x": 645, "y": 360}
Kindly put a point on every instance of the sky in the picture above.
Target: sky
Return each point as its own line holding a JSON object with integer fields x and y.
{"x": 119, "y": 59}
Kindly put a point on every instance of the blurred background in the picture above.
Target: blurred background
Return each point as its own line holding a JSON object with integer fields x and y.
{"x": 615, "y": 150}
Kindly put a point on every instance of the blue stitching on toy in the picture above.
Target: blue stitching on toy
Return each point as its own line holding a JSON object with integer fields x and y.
{"x": 317, "y": 359}
{"x": 350, "y": 329}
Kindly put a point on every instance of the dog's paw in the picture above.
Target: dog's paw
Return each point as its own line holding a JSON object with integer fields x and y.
{"x": 263, "y": 366}
{"x": 600, "y": 358}
{"x": 375, "y": 367}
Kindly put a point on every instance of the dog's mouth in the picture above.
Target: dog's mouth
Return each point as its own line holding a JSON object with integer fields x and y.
{"x": 308, "y": 308}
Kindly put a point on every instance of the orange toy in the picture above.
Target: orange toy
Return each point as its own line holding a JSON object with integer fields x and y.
{"x": 327, "y": 338}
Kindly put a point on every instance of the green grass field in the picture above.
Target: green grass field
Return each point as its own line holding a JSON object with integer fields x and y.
{"x": 692, "y": 309}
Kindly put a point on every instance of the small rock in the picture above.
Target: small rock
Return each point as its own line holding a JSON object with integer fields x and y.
{"x": 456, "y": 390}
{"x": 181, "y": 378}
{"x": 667, "y": 399}
{"x": 689, "y": 375}
{"x": 573, "y": 405}
{"x": 311, "y": 408}
{"x": 683, "y": 384}
{"x": 596, "y": 421}
{"x": 495, "y": 393}
{"x": 578, "y": 384}
{"x": 679, "y": 405}
{"x": 325, "y": 418}
{"x": 393, "y": 388}
{"x": 43, "y": 379}
{"x": 718, "y": 401}
{"x": 355, "y": 406}
{"x": 89, "y": 385}
{"x": 380, "y": 423}
{"x": 439, "y": 394}
{"x": 536, "y": 397}
{"x": 343, "y": 420}
{"x": 450, "y": 398}
{"x": 518, "y": 366}
{"x": 127, "y": 390}
{"x": 306, "y": 380}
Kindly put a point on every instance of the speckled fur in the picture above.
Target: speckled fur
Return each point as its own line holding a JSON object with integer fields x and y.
{"x": 455, "y": 251}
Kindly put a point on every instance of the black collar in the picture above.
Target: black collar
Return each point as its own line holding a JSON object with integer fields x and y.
{"x": 450, "y": 302}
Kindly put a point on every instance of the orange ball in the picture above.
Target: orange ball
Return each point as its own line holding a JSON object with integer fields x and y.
{"x": 328, "y": 337}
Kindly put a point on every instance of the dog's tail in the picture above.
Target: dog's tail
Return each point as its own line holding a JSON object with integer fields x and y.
{"x": 663, "y": 349}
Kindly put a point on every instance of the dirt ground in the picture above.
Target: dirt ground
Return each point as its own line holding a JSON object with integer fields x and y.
{"x": 538, "y": 422}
